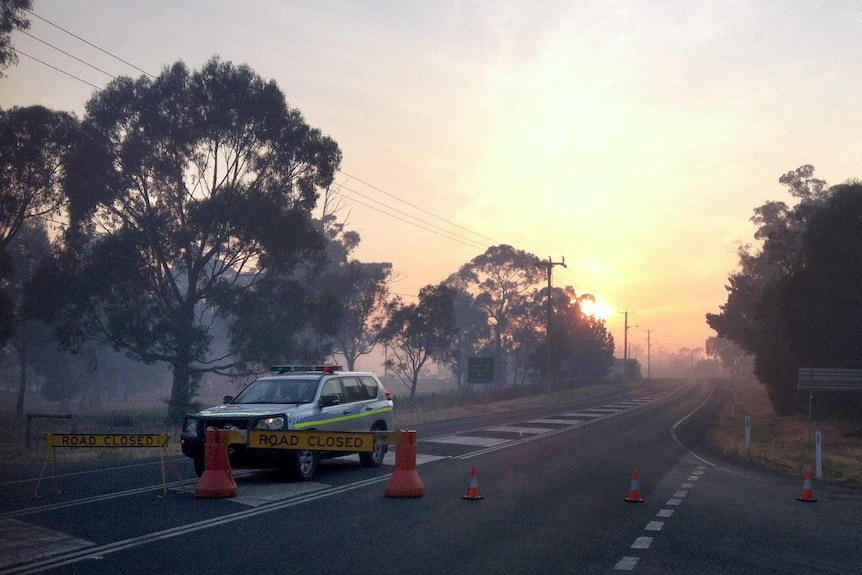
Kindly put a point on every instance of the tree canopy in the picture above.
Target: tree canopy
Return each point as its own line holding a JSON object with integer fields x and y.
{"x": 210, "y": 185}
{"x": 11, "y": 17}
{"x": 795, "y": 302}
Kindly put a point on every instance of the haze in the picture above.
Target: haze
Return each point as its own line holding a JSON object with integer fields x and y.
{"x": 632, "y": 138}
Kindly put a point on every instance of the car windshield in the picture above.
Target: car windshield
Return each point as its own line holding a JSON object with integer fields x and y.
{"x": 279, "y": 390}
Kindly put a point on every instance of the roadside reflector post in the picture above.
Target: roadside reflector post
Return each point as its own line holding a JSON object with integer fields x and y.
{"x": 747, "y": 434}
{"x": 818, "y": 449}
{"x": 405, "y": 481}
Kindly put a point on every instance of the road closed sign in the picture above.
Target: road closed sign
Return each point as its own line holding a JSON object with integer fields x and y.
{"x": 105, "y": 440}
{"x": 312, "y": 440}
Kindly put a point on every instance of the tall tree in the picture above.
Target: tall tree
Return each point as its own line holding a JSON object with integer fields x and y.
{"x": 768, "y": 294}
{"x": 25, "y": 250}
{"x": 581, "y": 348}
{"x": 11, "y": 17}
{"x": 358, "y": 292}
{"x": 212, "y": 182}
{"x": 35, "y": 144}
{"x": 500, "y": 280}
{"x": 417, "y": 333}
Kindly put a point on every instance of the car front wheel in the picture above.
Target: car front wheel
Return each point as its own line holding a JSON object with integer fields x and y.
{"x": 374, "y": 458}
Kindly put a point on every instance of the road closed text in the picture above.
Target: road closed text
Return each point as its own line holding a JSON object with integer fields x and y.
{"x": 104, "y": 440}
{"x": 320, "y": 441}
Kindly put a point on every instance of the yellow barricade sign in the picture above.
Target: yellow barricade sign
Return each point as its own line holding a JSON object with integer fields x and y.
{"x": 106, "y": 440}
{"x": 54, "y": 440}
{"x": 312, "y": 440}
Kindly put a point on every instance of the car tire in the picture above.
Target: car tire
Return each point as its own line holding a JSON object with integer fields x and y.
{"x": 200, "y": 464}
{"x": 374, "y": 458}
{"x": 303, "y": 465}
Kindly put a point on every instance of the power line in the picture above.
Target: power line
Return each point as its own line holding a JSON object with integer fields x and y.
{"x": 422, "y": 224}
{"x": 67, "y": 54}
{"x": 493, "y": 241}
{"x": 90, "y": 44}
{"x": 453, "y": 235}
{"x": 461, "y": 240}
{"x": 56, "y": 68}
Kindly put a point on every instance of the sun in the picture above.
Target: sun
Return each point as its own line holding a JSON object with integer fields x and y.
{"x": 598, "y": 308}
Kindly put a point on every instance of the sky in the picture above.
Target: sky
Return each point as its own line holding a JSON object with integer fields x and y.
{"x": 631, "y": 139}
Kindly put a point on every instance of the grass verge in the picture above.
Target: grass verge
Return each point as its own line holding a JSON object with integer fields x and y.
{"x": 783, "y": 444}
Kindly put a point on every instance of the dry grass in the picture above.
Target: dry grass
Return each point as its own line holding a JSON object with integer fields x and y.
{"x": 783, "y": 443}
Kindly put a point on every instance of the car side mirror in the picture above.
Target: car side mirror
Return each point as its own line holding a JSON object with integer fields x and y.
{"x": 227, "y": 399}
{"x": 327, "y": 400}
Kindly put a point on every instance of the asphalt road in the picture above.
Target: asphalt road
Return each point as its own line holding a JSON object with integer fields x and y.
{"x": 553, "y": 484}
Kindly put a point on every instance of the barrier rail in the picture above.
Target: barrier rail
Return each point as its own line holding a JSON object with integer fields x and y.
{"x": 102, "y": 440}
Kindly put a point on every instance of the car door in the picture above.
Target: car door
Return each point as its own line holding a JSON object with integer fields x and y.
{"x": 334, "y": 417}
{"x": 354, "y": 395}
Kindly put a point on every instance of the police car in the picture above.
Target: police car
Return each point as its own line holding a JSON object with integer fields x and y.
{"x": 307, "y": 397}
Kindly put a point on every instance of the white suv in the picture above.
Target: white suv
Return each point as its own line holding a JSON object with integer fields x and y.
{"x": 312, "y": 398}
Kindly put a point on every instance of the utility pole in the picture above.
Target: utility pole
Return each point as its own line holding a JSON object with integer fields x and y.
{"x": 648, "y": 353}
{"x": 626, "y": 347}
{"x": 550, "y": 265}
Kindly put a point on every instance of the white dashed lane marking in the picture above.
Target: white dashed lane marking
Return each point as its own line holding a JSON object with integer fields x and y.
{"x": 642, "y": 543}
{"x": 628, "y": 563}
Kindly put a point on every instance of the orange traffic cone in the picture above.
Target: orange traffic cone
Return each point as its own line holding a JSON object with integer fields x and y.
{"x": 405, "y": 481}
{"x": 473, "y": 489}
{"x": 807, "y": 490}
{"x": 216, "y": 480}
{"x": 635, "y": 489}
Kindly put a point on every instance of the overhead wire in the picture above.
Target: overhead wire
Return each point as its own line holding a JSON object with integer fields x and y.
{"x": 17, "y": 51}
{"x": 114, "y": 56}
{"x": 413, "y": 220}
{"x": 67, "y": 54}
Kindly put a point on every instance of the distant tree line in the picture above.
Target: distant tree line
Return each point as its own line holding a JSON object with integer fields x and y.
{"x": 173, "y": 225}
{"x": 796, "y": 299}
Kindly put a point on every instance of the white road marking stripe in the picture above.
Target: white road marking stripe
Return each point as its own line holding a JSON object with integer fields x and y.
{"x": 642, "y": 543}
{"x": 680, "y": 494}
{"x": 24, "y": 543}
{"x": 555, "y": 421}
{"x": 626, "y": 564}
{"x": 469, "y": 440}
{"x": 513, "y": 429}
{"x": 581, "y": 414}
{"x": 674, "y": 502}
{"x": 654, "y": 526}
{"x": 664, "y": 513}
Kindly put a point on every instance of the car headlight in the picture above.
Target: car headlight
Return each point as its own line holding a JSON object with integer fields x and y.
{"x": 270, "y": 423}
{"x": 190, "y": 427}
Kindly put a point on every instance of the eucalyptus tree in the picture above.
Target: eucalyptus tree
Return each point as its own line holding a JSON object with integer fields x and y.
{"x": 210, "y": 183}
{"x": 500, "y": 281}
{"x": 754, "y": 316}
{"x": 419, "y": 333}
{"x": 11, "y": 17}
{"x": 358, "y": 292}
{"x": 35, "y": 144}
